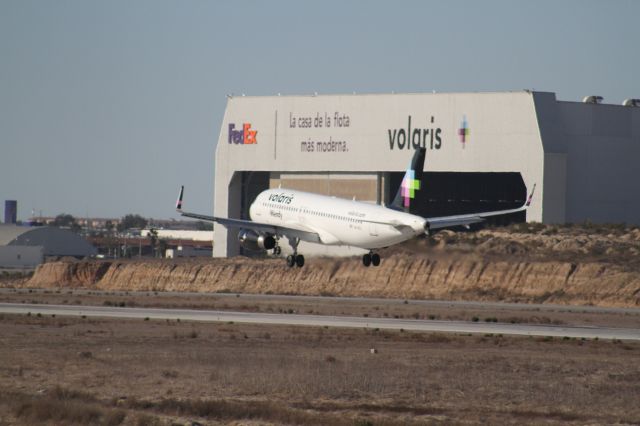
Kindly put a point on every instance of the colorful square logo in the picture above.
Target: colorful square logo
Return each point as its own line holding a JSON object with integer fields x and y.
{"x": 464, "y": 131}
{"x": 409, "y": 187}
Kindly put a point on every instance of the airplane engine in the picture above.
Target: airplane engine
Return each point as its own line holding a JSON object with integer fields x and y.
{"x": 253, "y": 240}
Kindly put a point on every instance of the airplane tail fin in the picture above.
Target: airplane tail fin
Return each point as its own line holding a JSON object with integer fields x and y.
{"x": 179, "y": 202}
{"x": 410, "y": 183}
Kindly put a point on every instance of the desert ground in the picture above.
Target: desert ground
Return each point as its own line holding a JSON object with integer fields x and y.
{"x": 64, "y": 370}
{"x": 61, "y": 370}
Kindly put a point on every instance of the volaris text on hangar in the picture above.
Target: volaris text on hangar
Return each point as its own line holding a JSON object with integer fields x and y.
{"x": 483, "y": 151}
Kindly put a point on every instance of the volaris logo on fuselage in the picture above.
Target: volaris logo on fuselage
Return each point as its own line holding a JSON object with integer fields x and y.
{"x": 281, "y": 198}
{"x": 427, "y": 136}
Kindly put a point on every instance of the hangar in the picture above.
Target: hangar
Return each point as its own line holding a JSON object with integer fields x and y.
{"x": 483, "y": 151}
{"x": 27, "y": 247}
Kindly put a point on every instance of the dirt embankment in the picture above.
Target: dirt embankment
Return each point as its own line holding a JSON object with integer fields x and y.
{"x": 576, "y": 264}
{"x": 399, "y": 276}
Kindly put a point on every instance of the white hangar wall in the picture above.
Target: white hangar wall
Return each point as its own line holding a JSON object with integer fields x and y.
{"x": 583, "y": 157}
{"x": 592, "y": 156}
{"x": 377, "y": 133}
{"x": 21, "y": 257}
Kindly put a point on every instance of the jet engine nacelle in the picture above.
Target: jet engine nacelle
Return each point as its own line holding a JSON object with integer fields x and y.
{"x": 253, "y": 240}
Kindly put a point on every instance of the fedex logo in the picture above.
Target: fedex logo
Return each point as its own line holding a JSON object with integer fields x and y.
{"x": 246, "y": 136}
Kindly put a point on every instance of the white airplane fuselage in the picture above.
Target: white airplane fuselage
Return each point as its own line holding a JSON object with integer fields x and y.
{"x": 302, "y": 216}
{"x": 336, "y": 220}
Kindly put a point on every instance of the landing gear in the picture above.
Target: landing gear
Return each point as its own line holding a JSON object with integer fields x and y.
{"x": 277, "y": 250}
{"x": 371, "y": 259}
{"x": 295, "y": 259}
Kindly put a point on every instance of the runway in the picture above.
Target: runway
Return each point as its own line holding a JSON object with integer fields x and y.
{"x": 494, "y": 306}
{"x": 325, "y": 321}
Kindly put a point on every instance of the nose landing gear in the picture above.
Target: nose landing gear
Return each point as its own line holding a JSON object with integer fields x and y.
{"x": 371, "y": 259}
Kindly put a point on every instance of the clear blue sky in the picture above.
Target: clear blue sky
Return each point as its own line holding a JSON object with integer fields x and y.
{"x": 106, "y": 107}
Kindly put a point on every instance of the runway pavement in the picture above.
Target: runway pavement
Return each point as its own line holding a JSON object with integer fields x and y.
{"x": 325, "y": 321}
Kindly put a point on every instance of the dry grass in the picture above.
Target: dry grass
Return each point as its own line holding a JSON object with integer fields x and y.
{"x": 616, "y": 244}
{"x": 227, "y": 410}
{"x": 61, "y": 406}
{"x": 140, "y": 374}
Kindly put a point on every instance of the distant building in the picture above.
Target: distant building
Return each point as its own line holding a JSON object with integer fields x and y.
{"x": 91, "y": 222}
{"x": 184, "y": 242}
{"x": 484, "y": 151}
{"x": 180, "y": 234}
{"x": 22, "y": 246}
{"x": 10, "y": 212}
{"x": 183, "y": 251}
{"x": 101, "y": 222}
{"x": 20, "y": 257}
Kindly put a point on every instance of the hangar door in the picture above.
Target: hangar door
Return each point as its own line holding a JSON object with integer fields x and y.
{"x": 253, "y": 183}
{"x": 450, "y": 193}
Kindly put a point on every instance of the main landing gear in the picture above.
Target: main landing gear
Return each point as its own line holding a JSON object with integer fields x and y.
{"x": 295, "y": 259}
{"x": 371, "y": 259}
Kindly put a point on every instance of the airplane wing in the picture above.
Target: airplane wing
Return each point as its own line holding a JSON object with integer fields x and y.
{"x": 468, "y": 219}
{"x": 457, "y": 220}
{"x": 309, "y": 236}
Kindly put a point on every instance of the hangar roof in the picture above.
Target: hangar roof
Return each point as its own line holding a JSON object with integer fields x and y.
{"x": 9, "y": 233}
{"x": 55, "y": 241}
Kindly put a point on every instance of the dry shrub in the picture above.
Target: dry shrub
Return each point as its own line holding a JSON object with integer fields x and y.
{"x": 65, "y": 394}
{"x": 437, "y": 338}
{"x": 236, "y": 410}
{"x": 146, "y": 420}
{"x": 62, "y": 406}
{"x": 169, "y": 374}
{"x": 114, "y": 417}
{"x": 49, "y": 409}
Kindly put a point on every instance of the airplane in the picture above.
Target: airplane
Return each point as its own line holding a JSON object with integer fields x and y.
{"x": 301, "y": 216}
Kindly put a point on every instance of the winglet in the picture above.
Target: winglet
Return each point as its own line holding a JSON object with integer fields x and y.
{"x": 179, "y": 202}
{"x": 528, "y": 203}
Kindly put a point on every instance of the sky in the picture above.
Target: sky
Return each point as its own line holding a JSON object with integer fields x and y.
{"x": 107, "y": 107}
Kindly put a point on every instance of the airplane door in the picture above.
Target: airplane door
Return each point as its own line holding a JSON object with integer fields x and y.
{"x": 373, "y": 229}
